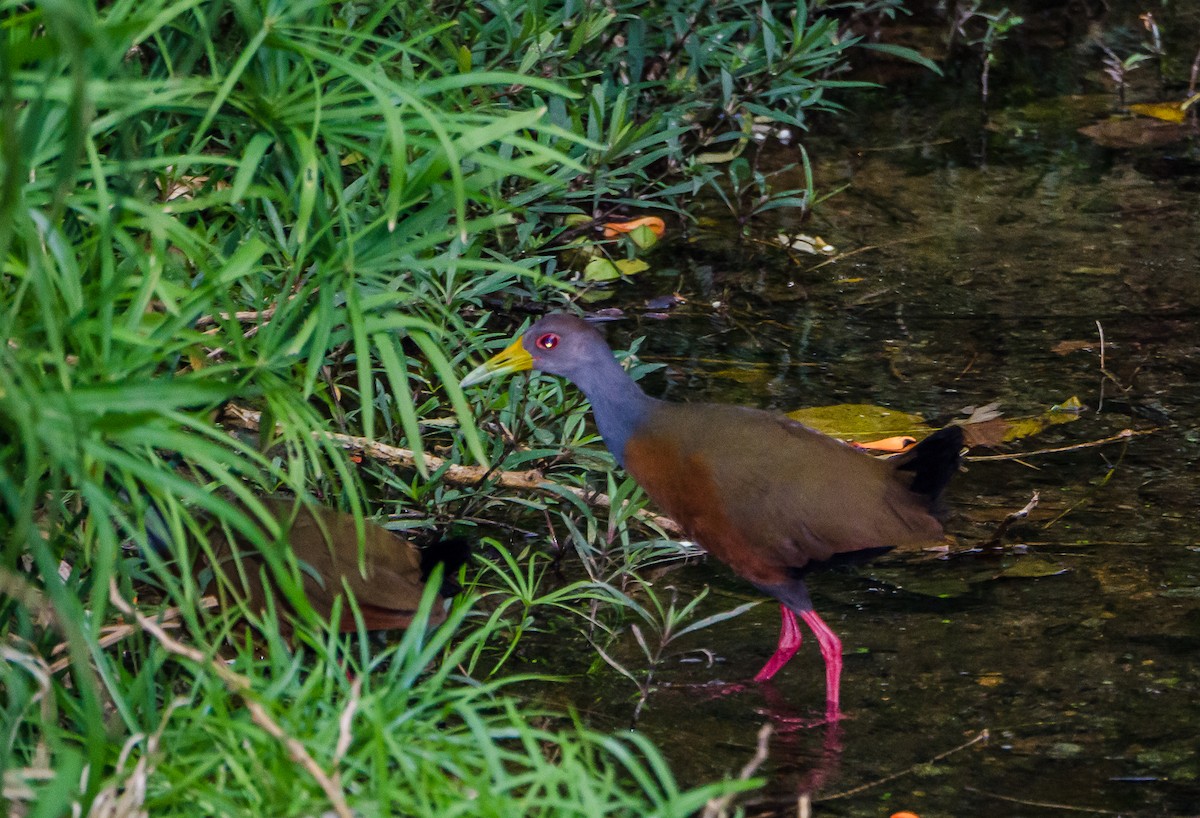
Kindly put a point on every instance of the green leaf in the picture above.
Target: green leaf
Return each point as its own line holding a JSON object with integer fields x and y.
{"x": 904, "y": 53}
{"x": 859, "y": 422}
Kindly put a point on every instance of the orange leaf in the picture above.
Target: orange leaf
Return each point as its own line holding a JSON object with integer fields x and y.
{"x": 657, "y": 226}
{"x": 900, "y": 443}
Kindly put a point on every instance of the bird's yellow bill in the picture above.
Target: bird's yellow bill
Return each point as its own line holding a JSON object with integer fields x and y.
{"x": 514, "y": 358}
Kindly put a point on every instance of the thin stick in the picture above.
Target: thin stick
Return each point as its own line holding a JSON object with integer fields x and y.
{"x": 983, "y": 736}
{"x": 855, "y": 252}
{"x": 1108, "y": 375}
{"x": 718, "y": 807}
{"x": 1045, "y": 804}
{"x": 242, "y": 316}
{"x": 531, "y": 479}
{"x": 240, "y": 686}
{"x": 1012, "y": 518}
{"x": 1119, "y": 437}
{"x": 111, "y": 634}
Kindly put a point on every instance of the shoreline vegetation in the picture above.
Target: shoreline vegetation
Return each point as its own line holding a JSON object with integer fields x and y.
{"x": 309, "y": 210}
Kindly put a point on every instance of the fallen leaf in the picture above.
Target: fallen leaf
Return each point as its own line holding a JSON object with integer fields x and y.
{"x": 643, "y": 237}
{"x": 1067, "y": 347}
{"x": 743, "y": 375}
{"x": 1032, "y": 568}
{"x": 1166, "y": 111}
{"x": 665, "y": 302}
{"x": 1135, "y": 133}
{"x": 860, "y": 421}
{"x": 895, "y": 445}
{"x": 631, "y": 266}
{"x": 653, "y": 223}
{"x": 989, "y": 432}
{"x": 807, "y": 244}
{"x": 935, "y": 585}
{"x": 601, "y": 269}
{"x": 595, "y": 295}
{"x": 1066, "y": 412}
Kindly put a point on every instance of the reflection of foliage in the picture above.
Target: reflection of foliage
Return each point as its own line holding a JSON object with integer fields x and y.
{"x": 966, "y": 21}
{"x": 1118, "y": 69}
{"x": 305, "y": 207}
{"x": 748, "y": 192}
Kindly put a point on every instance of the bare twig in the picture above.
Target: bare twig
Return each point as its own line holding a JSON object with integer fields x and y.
{"x": 240, "y": 686}
{"x": 126, "y": 798}
{"x": 346, "y": 722}
{"x": 19, "y": 653}
{"x": 1108, "y": 375}
{"x": 243, "y": 316}
{"x": 111, "y": 634}
{"x": 1045, "y": 804}
{"x": 1120, "y": 437}
{"x": 531, "y": 479}
{"x": 1092, "y": 490}
{"x": 1012, "y": 518}
{"x": 849, "y": 253}
{"x": 719, "y": 807}
{"x": 260, "y": 318}
{"x": 982, "y": 736}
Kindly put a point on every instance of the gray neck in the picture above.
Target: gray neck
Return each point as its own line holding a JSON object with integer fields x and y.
{"x": 619, "y": 404}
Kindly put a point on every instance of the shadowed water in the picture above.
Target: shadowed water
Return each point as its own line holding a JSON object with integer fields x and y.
{"x": 999, "y": 256}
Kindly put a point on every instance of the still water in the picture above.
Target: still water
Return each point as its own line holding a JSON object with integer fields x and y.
{"x": 998, "y": 257}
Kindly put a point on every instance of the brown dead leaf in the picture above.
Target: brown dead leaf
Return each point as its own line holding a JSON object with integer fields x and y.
{"x": 990, "y": 432}
{"x": 1135, "y": 133}
{"x": 1067, "y": 347}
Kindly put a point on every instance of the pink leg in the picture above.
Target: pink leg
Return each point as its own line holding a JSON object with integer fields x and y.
{"x": 789, "y": 643}
{"x": 831, "y": 651}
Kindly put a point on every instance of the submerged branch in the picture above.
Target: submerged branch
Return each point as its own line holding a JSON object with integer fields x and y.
{"x": 1043, "y": 804}
{"x": 1119, "y": 437}
{"x": 981, "y": 736}
{"x": 719, "y": 807}
{"x": 1002, "y": 529}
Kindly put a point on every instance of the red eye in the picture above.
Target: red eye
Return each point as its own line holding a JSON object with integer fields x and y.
{"x": 548, "y": 341}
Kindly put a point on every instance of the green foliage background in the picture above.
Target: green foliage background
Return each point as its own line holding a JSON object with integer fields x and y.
{"x": 309, "y": 208}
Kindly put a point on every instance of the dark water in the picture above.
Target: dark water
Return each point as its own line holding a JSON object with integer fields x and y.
{"x": 1000, "y": 254}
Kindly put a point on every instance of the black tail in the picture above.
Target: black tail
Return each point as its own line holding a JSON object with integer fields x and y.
{"x": 453, "y": 552}
{"x": 933, "y": 462}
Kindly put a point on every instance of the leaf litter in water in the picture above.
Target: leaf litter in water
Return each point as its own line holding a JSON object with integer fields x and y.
{"x": 929, "y": 581}
{"x": 1135, "y": 133}
{"x": 1031, "y": 568}
{"x": 861, "y": 421}
{"x": 867, "y": 424}
{"x": 602, "y": 269}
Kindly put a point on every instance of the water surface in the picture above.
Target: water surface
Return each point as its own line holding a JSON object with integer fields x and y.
{"x": 1000, "y": 253}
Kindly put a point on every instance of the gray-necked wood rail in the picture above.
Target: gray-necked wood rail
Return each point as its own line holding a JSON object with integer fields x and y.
{"x": 387, "y": 589}
{"x": 766, "y": 495}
